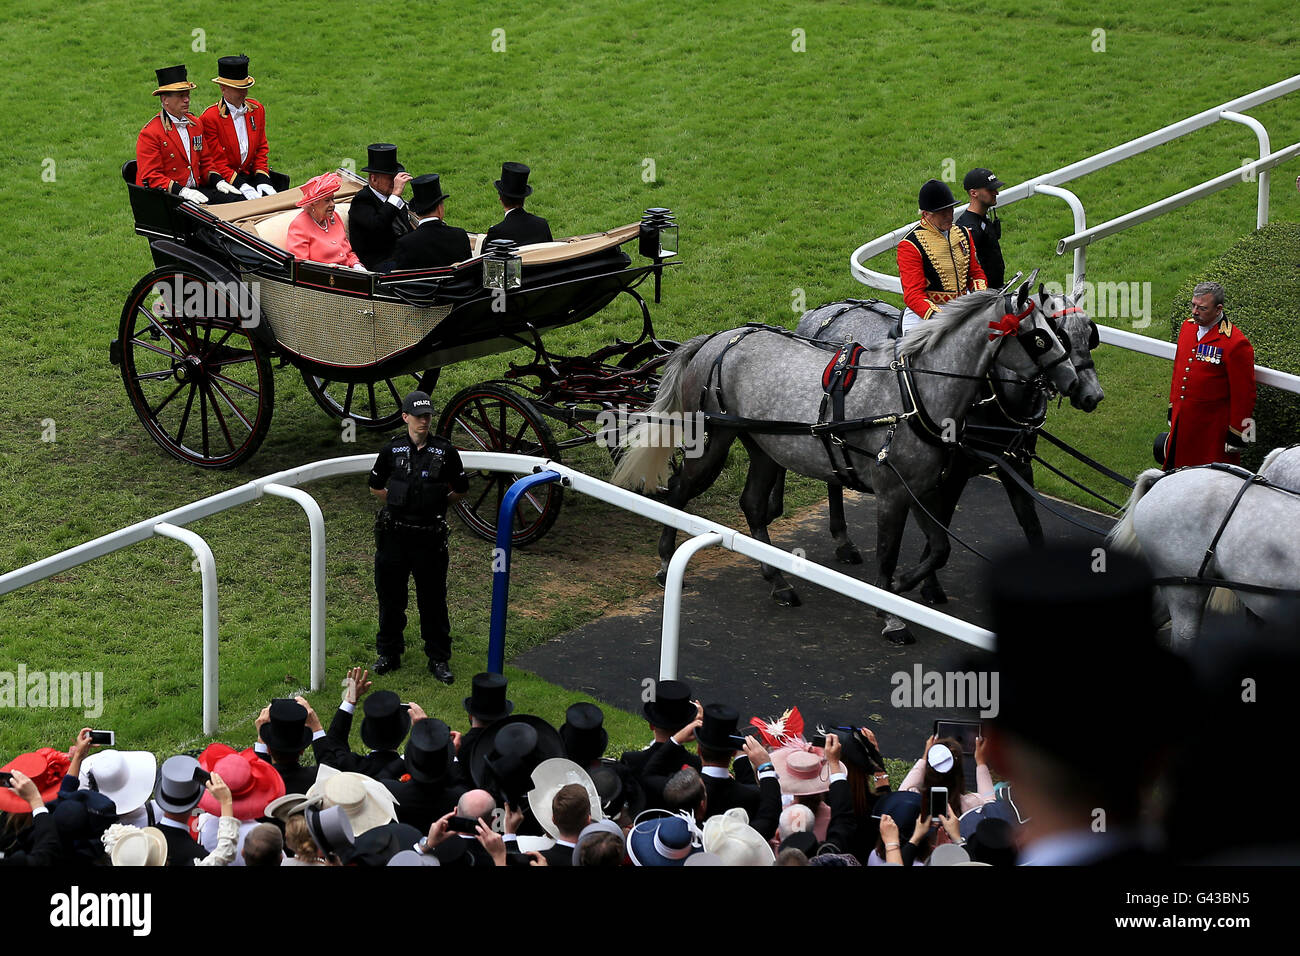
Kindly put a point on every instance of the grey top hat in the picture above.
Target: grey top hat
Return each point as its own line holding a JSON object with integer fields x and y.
{"x": 178, "y": 789}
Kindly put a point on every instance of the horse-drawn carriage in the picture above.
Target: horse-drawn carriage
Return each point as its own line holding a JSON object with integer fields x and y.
{"x": 199, "y": 333}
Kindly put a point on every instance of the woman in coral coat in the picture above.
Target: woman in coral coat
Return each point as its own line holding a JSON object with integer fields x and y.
{"x": 317, "y": 234}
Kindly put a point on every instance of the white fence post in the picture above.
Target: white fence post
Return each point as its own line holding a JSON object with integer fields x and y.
{"x": 208, "y": 568}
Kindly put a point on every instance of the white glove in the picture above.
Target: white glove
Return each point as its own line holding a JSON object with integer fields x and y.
{"x": 248, "y": 191}
{"x": 359, "y": 267}
{"x": 193, "y": 195}
{"x": 266, "y": 189}
{"x": 225, "y": 187}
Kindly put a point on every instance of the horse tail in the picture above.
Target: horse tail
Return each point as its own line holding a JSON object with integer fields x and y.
{"x": 1122, "y": 537}
{"x": 648, "y": 446}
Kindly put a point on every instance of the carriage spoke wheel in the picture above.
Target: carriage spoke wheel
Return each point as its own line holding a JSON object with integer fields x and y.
{"x": 200, "y": 382}
{"x": 491, "y": 418}
{"x": 376, "y": 406}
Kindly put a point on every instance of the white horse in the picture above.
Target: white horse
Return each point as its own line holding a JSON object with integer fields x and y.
{"x": 1172, "y": 518}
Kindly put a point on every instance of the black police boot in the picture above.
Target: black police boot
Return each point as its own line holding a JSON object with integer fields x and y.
{"x": 386, "y": 662}
{"x": 440, "y": 670}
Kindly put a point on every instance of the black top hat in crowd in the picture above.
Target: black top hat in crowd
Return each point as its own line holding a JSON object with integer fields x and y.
{"x": 508, "y": 752}
{"x": 671, "y": 709}
{"x": 386, "y": 721}
{"x": 719, "y": 727}
{"x": 429, "y": 751}
{"x": 618, "y": 788}
{"x": 427, "y": 193}
{"x": 584, "y": 733}
{"x": 173, "y": 79}
{"x": 382, "y": 158}
{"x": 935, "y": 196}
{"x": 233, "y": 71}
{"x": 287, "y": 728}
{"x": 513, "y": 183}
{"x": 487, "y": 698}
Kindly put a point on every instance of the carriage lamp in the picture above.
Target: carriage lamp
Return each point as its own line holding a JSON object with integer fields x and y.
{"x": 658, "y": 234}
{"x": 502, "y": 265}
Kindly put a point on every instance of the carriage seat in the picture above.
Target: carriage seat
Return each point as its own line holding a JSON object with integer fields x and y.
{"x": 477, "y": 240}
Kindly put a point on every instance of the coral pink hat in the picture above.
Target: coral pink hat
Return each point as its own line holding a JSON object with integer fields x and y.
{"x": 319, "y": 187}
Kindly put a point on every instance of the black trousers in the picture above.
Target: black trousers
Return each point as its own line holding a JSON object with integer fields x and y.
{"x": 402, "y": 554}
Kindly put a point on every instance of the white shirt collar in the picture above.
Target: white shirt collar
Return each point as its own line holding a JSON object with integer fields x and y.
{"x": 236, "y": 110}
{"x": 184, "y": 121}
{"x": 722, "y": 773}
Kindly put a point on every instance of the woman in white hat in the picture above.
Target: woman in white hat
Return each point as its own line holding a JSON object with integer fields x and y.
{"x": 317, "y": 234}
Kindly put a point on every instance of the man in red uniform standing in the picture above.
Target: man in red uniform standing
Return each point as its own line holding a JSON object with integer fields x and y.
{"x": 1212, "y": 396}
{"x": 235, "y": 130}
{"x": 936, "y": 260}
{"x": 170, "y": 151}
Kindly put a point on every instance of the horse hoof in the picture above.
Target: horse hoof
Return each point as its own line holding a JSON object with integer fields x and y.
{"x": 848, "y": 554}
{"x": 900, "y": 637}
{"x": 662, "y": 577}
{"x": 786, "y": 597}
{"x": 934, "y": 594}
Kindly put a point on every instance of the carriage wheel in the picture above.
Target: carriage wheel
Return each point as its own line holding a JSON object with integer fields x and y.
{"x": 376, "y": 406}
{"x": 198, "y": 379}
{"x": 491, "y": 418}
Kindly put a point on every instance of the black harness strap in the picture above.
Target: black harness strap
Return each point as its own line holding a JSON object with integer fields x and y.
{"x": 1096, "y": 466}
{"x": 1250, "y": 478}
{"x": 1004, "y": 468}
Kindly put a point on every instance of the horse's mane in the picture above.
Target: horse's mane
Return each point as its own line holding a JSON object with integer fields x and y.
{"x": 952, "y": 315}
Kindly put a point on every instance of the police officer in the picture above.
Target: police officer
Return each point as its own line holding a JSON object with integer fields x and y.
{"x": 984, "y": 225}
{"x": 416, "y": 475}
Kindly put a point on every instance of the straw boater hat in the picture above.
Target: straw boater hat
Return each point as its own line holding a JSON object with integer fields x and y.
{"x": 124, "y": 776}
{"x": 320, "y": 187}
{"x": 172, "y": 79}
{"x": 548, "y": 778}
{"x": 147, "y": 847}
{"x": 233, "y": 71}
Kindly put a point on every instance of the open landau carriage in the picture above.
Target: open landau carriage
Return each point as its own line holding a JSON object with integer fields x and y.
{"x": 199, "y": 333}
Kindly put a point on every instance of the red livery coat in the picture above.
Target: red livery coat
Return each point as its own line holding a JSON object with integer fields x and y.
{"x": 160, "y": 158}
{"x": 222, "y": 142}
{"x": 934, "y": 268}
{"x": 1211, "y": 397}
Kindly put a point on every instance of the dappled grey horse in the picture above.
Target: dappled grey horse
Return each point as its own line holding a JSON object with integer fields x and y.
{"x": 1172, "y": 519}
{"x": 749, "y": 376}
{"x": 1015, "y": 404}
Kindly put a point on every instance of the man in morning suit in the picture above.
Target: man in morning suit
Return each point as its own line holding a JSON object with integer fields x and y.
{"x": 1212, "y": 395}
{"x": 383, "y": 728}
{"x": 669, "y": 711}
{"x": 433, "y": 243}
{"x": 523, "y": 227}
{"x": 170, "y": 152}
{"x": 234, "y": 130}
{"x": 378, "y": 214}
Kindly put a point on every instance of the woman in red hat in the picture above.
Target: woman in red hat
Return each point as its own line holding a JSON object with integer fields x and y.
{"x": 317, "y": 234}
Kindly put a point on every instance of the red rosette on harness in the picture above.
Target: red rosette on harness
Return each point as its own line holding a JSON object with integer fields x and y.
{"x": 1009, "y": 324}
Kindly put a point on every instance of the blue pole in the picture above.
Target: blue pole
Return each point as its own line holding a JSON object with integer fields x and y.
{"x": 501, "y": 566}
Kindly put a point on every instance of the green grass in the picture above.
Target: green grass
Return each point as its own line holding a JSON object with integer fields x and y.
{"x": 778, "y": 164}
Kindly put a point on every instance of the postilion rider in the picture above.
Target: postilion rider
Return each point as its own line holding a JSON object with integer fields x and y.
{"x": 936, "y": 260}
{"x": 416, "y": 475}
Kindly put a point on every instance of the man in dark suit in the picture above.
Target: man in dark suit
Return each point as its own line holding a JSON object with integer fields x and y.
{"x": 433, "y": 243}
{"x": 285, "y": 728}
{"x": 378, "y": 215}
{"x": 570, "y": 812}
{"x": 431, "y": 791}
{"x": 523, "y": 227}
{"x": 383, "y": 728}
{"x": 177, "y": 794}
{"x": 716, "y": 734}
{"x": 669, "y": 711}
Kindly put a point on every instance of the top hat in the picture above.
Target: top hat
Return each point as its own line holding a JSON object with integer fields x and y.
{"x": 506, "y": 754}
{"x": 619, "y": 789}
{"x": 253, "y": 783}
{"x": 178, "y": 791}
{"x": 719, "y": 727}
{"x": 380, "y": 844}
{"x": 513, "y": 183}
{"x": 330, "y": 830}
{"x": 418, "y": 403}
{"x": 935, "y": 197}
{"x": 173, "y": 79}
{"x": 487, "y": 698}
{"x": 318, "y": 187}
{"x": 429, "y": 751}
{"x": 287, "y": 728}
{"x": 671, "y": 708}
{"x": 125, "y": 777}
{"x": 426, "y": 193}
{"x": 981, "y": 178}
{"x": 233, "y": 71}
{"x": 584, "y": 733}
{"x": 382, "y": 158}
{"x": 386, "y": 722}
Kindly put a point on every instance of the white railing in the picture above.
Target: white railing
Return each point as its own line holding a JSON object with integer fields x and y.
{"x": 702, "y": 532}
{"x": 1050, "y": 184}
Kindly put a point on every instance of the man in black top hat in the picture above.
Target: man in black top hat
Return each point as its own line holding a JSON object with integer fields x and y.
{"x": 431, "y": 790}
{"x": 984, "y": 225}
{"x": 416, "y": 475}
{"x": 523, "y": 227}
{"x": 433, "y": 243}
{"x": 285, "y": 729}
{"x": 378, "y": 214}
{"x": 384, "y": 726}
{"x": 669, "y": 711}
{"x": 486, "y": 704}
{"x": 584, "y": 734}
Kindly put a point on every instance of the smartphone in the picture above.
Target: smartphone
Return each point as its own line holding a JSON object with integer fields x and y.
{"x": 818, "y": 740}
{"x": 104, "y": 738}
{"x": 463, "y": 825}
{"x": 938, "y": 803}
{"x": 964, "y": 731}
{"x": 6, "y": 778}
{"x": 201, "y": 775}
